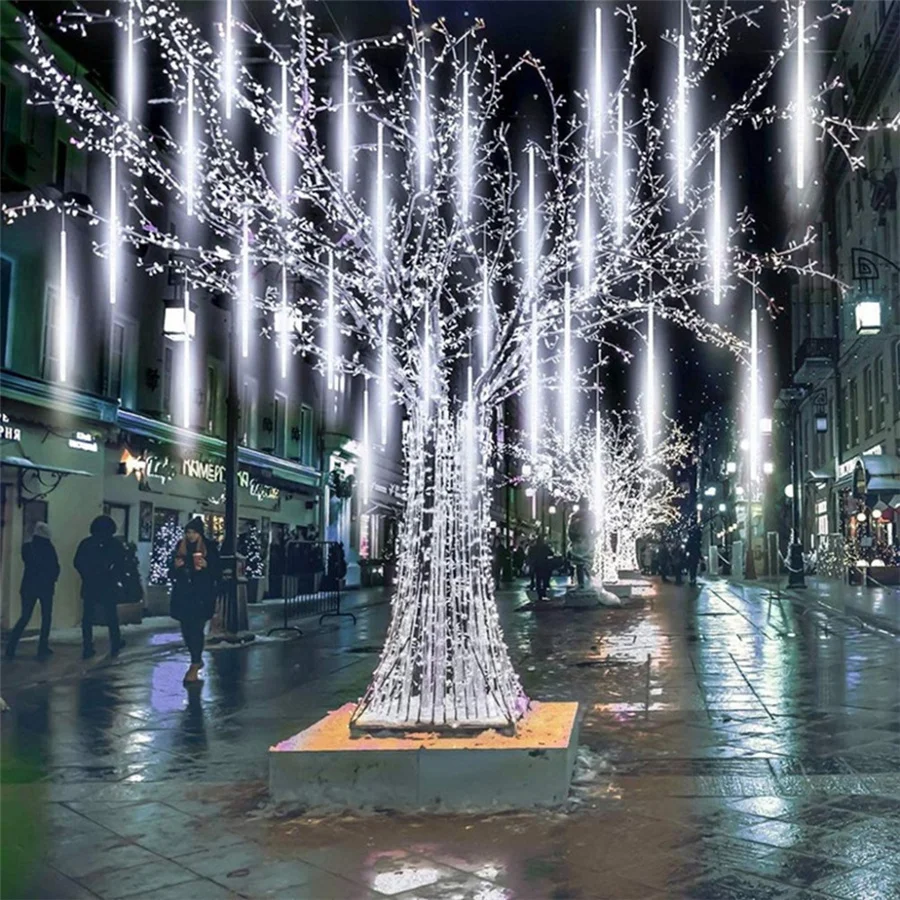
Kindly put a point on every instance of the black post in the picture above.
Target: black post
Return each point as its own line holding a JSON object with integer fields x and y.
{"x": 795, "y": 556}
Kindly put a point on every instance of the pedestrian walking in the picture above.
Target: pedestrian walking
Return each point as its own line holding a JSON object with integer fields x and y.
{"x": 542, "y": 566}
{"x": 100, "y": 561}
{"x": 38, "y": 585}
{"x": 195, "y": 573}
{"x": 518, "y": 560}
{"x": 693, "y": 553}
{"x": 663, "y": 561}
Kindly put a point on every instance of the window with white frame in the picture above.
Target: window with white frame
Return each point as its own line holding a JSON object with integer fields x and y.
{"x": 868, "y": 401}
{"x": 307, "y": 435}
{"x": 880, "y": 397}
{"x": 249, "y": 412}
{"x": 168, "y": 378}
{"x": 279, "y": 418}
{"x": 6, "y": 277}
{"x": 50, "y": 356}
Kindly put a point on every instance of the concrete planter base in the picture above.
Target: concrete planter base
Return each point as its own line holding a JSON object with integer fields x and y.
{"x": 156, "y": 600}
{"x": 623, "y": 591}
{"x": 130, "y": 613}
{"x": 325, "y": 768}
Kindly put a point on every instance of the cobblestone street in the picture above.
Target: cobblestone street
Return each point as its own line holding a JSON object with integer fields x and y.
{"x": 734, "y": 745}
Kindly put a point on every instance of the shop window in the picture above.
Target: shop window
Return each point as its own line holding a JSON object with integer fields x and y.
{"x": 249, "y": 413}
{"x": 212, "y": 399}
{"x": 168, "y": 377}
{"x": 50, "y": 362}
{"x": 6, "y": 274}
{"x": 307, "y": 436}
{"x": 868, "y": 401}
{"x": 280, "y": 423}
{"x": 880, "y": 398}
{"x": 121, "y": 515}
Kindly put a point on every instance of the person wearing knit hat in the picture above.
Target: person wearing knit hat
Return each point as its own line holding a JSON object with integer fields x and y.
{"x": 195, "y": 583}
{"x": 38, "y": 585}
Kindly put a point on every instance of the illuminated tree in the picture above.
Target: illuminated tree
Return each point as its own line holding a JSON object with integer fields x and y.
{"x": 438, "y": 246}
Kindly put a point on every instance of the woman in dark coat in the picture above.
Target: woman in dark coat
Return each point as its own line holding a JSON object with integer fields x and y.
{"x": 195, "y": 579}
{"x": 38, "y": 584}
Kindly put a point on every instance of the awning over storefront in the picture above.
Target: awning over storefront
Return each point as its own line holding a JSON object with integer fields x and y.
{"x": 873, "y": 473}
{"x": 19, "y": 462}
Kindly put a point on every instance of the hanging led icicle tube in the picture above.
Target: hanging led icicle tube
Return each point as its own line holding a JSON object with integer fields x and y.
{"x": 285, "y": 322}
{"x": 113, "y": 229}
{"x": 284, "y": 144}
{"x": 62, "y": 326}
{"x": 190, "y": 148}
{"x": 379, "y": 199}
{"x": 597, "y": 105}
{"x": 426, "y": 362}
{"x": 599, "y": 490}
{"x": 650, "y": 390}
{"x": 330, "y": 336}
{"x": 345, "y": 121}
{"x": 471, "y": 448}
{"x": 228, "y": 68}
{"x": 385, "y": 384}
{"x": 534, "y": 398}
{"x": 567, "y": 385}
{"x": 186, "y": 374}
{"x": 423, "y": 125}
{"x": 465, "y": 161}
{"x": 717, "y": 236}
{"x": 245, "y": 286}
{"x": 753, "y": 425}
{"x": 485, "y": 316}
{"x": 587, "y": 236}
{"x": 681, "y": 120}
{"x": 366, "y": 462}
{"x": 800, "y": 115}
{"x": 130, "y": 73}
{"x": 620, "y": 172}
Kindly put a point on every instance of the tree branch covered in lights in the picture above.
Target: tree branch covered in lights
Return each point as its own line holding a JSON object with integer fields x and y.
{"x": 442, "y": 256}
{"x": 630, "y": 494}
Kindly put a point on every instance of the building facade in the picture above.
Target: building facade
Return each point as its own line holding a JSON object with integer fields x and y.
{"x": 107, "y": 409}
{"x": 846, "y": 332}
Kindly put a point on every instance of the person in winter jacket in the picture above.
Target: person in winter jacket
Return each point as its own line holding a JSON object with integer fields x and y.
{"x": 38, "y": 584}
{"x": 196, "y": 573}
{"x": 100, "y": 561}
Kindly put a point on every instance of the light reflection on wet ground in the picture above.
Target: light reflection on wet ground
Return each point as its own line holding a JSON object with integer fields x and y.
{"x": 732, "y": 747}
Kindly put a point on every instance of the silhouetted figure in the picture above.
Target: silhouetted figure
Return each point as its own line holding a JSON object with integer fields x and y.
{"x": 100, "y": 561}
{"x": 542, "y": 566}
{"x": 38, "y": 585}
{"x": 195, "y": 576}
{"x": 693, "y": 553}
{"x": 664, "y": 561}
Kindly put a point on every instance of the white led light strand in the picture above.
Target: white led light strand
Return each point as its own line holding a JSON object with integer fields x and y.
{"x": 681, "y": 118}
{"x": 186, "y": 385}
{"x": 717, "y": 236}
{"x": 285, "y": 321}
{"x": 597, "y": 105}
{"x": 426, "y": 361}
{"x": 228, "y": 67}
{"x": 284, "y": 142}
{"x": 345, "y": 121}
{"x": 366, "y": 461}
{"x": 385, "y": 385}
{"x": 651, "y": 387}
{"x": 485, "y": 316}
{"x": 113, "y": 263}
{"x": 379, "y": 199}
{"x": 130, "y": 66}
{"x": 620, "y": 171}
{"x": 465, "y": 161}
{"x": 423, "y": 126}
{"x": 753, "y": 425}
{"x": 531, "y": 229}
{"x": 567, "y": 383}
{"x": 62, "y": 312}
{"x": 800, "y": 115}
{"x": 330, "y": 329}
{"x": 245, "y": 285}
{"x": 587, "y": 237}
{"x": 190, "y": 149}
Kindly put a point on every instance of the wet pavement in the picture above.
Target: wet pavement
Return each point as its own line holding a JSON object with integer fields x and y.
{"x": 734, "y": 745}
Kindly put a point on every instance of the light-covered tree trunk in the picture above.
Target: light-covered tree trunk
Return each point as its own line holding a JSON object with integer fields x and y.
{"x": 445, "y": 664}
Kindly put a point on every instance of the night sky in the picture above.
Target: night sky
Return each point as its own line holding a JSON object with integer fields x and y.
{"x": 699, "y": 378}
